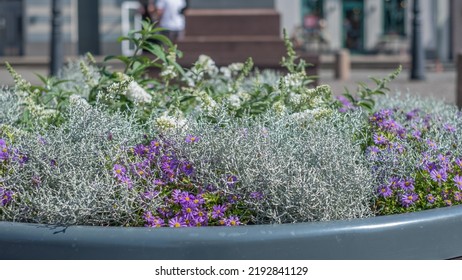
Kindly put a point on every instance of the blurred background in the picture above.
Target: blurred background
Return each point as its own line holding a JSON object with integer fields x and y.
{"x": 374, "y": 34}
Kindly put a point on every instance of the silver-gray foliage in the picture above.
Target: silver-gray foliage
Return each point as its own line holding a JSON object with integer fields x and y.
{"x": 9, "y": 107}
{"x": 68, "y": 177}
{"x": 306, "y": 170}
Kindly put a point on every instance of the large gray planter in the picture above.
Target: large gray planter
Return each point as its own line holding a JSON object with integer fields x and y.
{"x": 432, "y": 234}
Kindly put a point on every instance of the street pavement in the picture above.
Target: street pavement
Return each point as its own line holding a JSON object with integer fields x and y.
{"x": 438, "y": 85}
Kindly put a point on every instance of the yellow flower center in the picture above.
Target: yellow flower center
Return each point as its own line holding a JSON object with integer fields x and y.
{"x": 4, "y": 150}
{"x": 193, "y": 139}
{"x": 177, "y": 224}
{"x": 438, "y": 176}
{"x": 118, "y": 171}
{"x": 233, "y": 223}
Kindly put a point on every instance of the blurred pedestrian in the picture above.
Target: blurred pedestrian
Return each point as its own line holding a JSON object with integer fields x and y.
{"x": 171, "y": 17}
{"x": 148, "y": 10}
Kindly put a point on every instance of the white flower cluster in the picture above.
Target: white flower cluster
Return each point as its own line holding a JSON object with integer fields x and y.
{"x": 165, "y": 123}
{"x": 208, "y": 105}
{"x": 234, "y": 101}
{"x": 128, "y": 87}
{"x": 137, "y": 94}
{"x": 207, "y": 64}
{"x": 232, "y": 69}
{"x": 292, "y": 80}
{"x": 312, "y": 114}
{"x": 169, "y": 72}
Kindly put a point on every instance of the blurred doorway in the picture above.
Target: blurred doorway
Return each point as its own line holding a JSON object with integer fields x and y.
{"x": 11, "y": 28}
{"x": 353, "y": 25}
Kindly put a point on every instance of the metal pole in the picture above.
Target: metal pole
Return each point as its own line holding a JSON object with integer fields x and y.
{"x": 418, "y": 56}
{"x": 56, "y": 54}
{"x": 88, "y": 27}
{"x": 459, "y": 80}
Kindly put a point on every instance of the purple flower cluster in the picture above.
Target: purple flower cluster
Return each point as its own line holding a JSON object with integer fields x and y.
{"x": 4, "y": 155}
{"x": 160, "y": 175}
{"x": 437, "y": 180}
{"x": 6, "y": 196}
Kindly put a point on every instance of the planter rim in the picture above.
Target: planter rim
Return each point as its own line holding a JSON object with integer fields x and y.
{"x": 429, "y": 234}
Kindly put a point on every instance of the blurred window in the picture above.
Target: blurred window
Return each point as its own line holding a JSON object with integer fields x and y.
{"x": 395, "y": 17}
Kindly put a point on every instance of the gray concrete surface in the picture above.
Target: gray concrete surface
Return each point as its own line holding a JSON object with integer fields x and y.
{"x": 440, "y": 85}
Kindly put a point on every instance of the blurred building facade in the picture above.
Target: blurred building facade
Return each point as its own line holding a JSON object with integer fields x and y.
{"x": 363, "y": 26}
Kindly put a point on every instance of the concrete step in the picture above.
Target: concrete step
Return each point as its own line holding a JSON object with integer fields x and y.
{"x": 232, "y": 22}
{"x": 264, "y": 51}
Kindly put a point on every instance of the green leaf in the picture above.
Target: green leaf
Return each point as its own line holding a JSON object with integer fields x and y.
{"x": 156, "y": 50}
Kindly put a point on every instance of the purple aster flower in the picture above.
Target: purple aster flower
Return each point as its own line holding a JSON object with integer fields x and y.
{"x": 380, "y": 139}
{"x": 158, "y": 182}
{"x": 402, "y": 132}
{"x": 187, "y": 168}
{"x": 256, "y": 195}
{"x": 3, "y": 150}
{"x": 141, "y": 169}
{"x": 19, "y": 157}
{"x": 408, "y": 199}
{"x": 412, "y": 114}
{"x": 458, "y": 196}
{"x": 449, "y": 127}
{"x": 430, "y": 198}
{"x": 188, "y": 212}
{"x": 444, "y": 160}
{"x": 439, "y": 175}
{"x": 448, "y": 202}
{"x": 417, "y": 134}
{"x": 408, "y": 184}
{"x": 140, "y": 150}
{"x": 384, "y": 191}
{"x": 154, "y": 147}
{"x": 177, "y": 222}
{"x": 119, "y": 171}
{"x": 432, "y": 145}
{"x": 394, "y": 182}
{"x": 198, "y": 200}
{"x": 185, "y": 198}
{"x": 6, "y": 196}
{"x": 150, "y": 194}
{"x": 192, "y": 139}
{"x": 458, "y": 162}
{"x": 176, "y": 195}
{"x": 429, "y": 166}
{"x": 446, "y": 193}
{"x": 200, "y": 217}
{"x": 373, "y": 152}
{"x": 233, "y": 198}
{"x": 218, "y": 211}
{"x": 125, "y": 180}
{"x": 231, "y": 180}
{"x": 346, "y": 104}
{"x": 53, "y": 163}
{"x": 152, "y": 221}
{"x": 398, "y": 147}
{"x": 458, "y": 182}
{"x": 233, "y": 221}
{"x": 165, "y": 212}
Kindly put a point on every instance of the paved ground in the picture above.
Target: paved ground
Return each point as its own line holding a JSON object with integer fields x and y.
{"x": 441, "y": 85}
